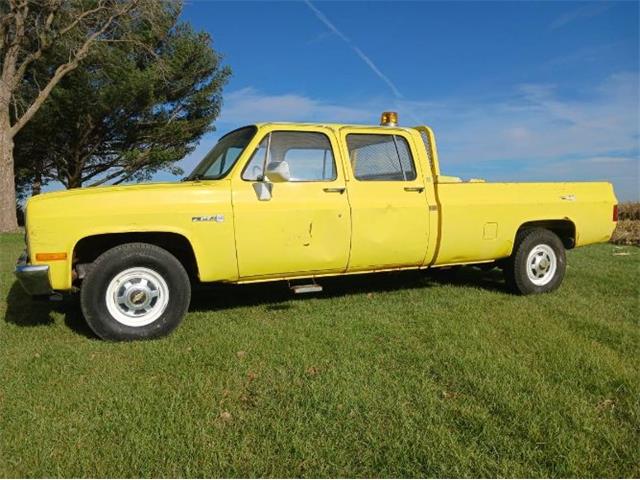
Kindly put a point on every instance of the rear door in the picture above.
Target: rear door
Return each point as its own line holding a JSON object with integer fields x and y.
{"x": 386, "y": 188}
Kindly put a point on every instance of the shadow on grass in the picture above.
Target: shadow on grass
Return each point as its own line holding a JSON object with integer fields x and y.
{"x": 22, "y": 310}
{"x": 212, "y": 297}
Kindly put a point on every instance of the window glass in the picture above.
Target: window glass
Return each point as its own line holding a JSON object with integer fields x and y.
{"x": 308, "y": 155}
{"x": 253, "y": 170}
{"x": 380, "y": 157}
{"x": 308, "y": 164}
{"x": 221, "y": 163}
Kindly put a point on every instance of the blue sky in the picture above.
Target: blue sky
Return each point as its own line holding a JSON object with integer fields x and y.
{"x": 521, "y": 91}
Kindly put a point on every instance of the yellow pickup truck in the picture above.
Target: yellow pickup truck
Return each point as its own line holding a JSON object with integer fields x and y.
{"x": 289, "y": 201}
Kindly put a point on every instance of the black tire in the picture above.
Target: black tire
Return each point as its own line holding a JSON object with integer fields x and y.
{"x": 520, "y": 275}
{"x": 112, "y": 264}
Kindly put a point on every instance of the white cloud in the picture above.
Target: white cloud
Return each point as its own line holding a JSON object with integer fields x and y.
{"x": 248, "y": 105}
{"x": 535, "y": 122}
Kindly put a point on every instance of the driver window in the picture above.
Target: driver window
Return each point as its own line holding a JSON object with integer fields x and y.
{"x": 308, "y": 154}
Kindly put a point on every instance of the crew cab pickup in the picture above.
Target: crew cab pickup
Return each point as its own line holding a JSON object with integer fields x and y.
{"x": 289, "y": 201}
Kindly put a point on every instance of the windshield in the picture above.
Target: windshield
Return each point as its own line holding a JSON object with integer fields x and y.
{"x": 217, "y": 163}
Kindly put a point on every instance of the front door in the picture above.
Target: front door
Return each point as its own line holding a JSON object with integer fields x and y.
{"x": 389, "y": 210}
{"x": 295, "y": 227}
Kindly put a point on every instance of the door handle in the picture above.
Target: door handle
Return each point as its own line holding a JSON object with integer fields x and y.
{"x": 414, "y": 189}
{"x": 335, "y": 189}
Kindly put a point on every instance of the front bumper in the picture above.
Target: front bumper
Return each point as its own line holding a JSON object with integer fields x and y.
{"x": 33, "y": 278}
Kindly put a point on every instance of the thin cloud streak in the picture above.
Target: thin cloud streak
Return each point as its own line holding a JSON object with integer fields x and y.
{"x": 587, "y": 11}
{"x": 364, "y": 57}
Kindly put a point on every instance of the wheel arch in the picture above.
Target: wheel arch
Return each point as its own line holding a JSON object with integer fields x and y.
{"x": 90, "y": 247}
{"x": 564, "y": 228}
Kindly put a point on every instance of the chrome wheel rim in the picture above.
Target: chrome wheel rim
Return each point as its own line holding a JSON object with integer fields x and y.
{"x": 542, "y": 264}
{"x": 137, "y": 297}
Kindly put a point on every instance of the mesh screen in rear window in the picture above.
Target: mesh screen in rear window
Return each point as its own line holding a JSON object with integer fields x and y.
{"x": 427, "y": 144}
{"x": 376, "y": 157}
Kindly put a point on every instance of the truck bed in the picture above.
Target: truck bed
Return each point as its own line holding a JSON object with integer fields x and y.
{"x": 477, "y": 220}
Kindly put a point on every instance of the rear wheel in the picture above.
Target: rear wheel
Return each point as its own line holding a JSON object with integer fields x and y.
{"x": 135, "y": 291}
{"x": 538, "y": 262}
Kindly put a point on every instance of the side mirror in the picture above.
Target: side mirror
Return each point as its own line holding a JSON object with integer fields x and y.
{"x": 278, "y": 172}
{"x": 263, "y": 190}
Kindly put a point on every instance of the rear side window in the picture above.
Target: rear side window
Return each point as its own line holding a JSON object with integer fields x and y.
{"x": 308, "y": 154}
{"x": 376, "y": 157}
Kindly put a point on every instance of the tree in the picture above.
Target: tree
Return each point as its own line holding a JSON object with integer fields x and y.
{"x": 30, "y": 29}
{"x": 128, "y": 113}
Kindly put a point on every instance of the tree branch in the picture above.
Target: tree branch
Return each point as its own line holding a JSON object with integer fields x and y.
{"x": 5, "y": 20}
{"x": 11, "y": 56}
{"x": 127, "y": 171}
{"x": 102, "y": 168}
{"x": 46, "y": 43}
{"x": 63, "y": 69}
{"x": 108, "y": 177}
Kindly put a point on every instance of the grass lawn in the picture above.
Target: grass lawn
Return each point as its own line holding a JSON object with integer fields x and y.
{"x": 386, "y": 375}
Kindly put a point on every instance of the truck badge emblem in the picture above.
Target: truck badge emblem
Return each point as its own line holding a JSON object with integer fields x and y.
{"x": 209, "y": 218}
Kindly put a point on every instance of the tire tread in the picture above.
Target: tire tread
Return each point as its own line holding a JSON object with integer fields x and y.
{"x": 515, "y": 269}
{"x": 99, "y": 319}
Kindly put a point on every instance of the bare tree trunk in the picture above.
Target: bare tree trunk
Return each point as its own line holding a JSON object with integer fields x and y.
{"x": 74, "y": 179}
{"x": 8, "y": 219}
{"x": 73, "y": 182}
{"x": 36, "y": 187}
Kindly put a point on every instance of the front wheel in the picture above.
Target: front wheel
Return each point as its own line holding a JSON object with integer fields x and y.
{"x": 135, "y": 291}
{"x": 538, "y": 262}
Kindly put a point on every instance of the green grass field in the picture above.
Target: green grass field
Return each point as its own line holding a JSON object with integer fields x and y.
{"x": 386, "y": 375}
